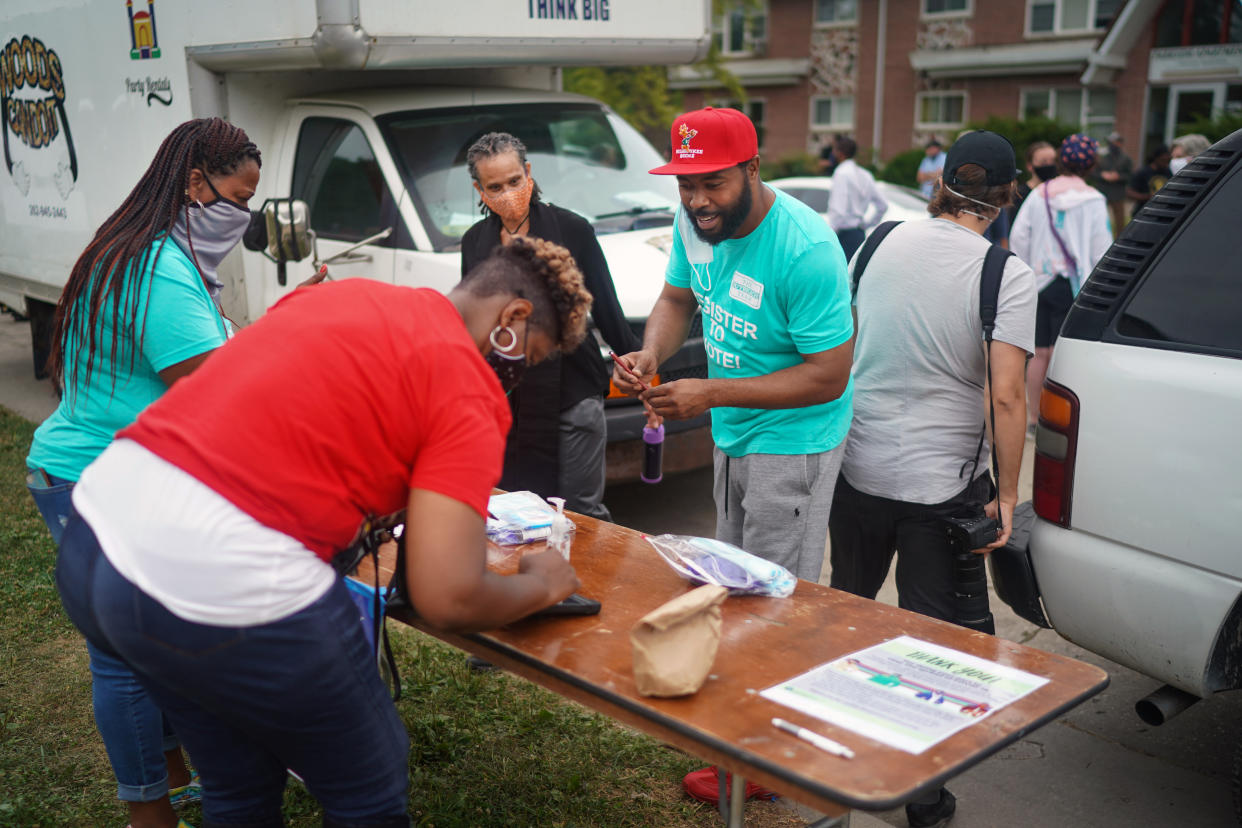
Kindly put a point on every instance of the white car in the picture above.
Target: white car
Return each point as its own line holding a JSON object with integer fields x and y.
{"x": 904, "y": 204}
{"x": 1135, "y": 551}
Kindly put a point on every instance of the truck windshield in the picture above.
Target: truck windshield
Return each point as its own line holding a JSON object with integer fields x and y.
{"x": 583, "y": 158}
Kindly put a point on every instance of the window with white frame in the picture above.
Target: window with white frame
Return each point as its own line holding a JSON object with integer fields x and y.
{"x": 939, "y": 110}
{"x": 1050, "y": 17}
{"x": 835, "y": 113}
{"x": 946, "y": 8}
{"x": 1093, "y": 111}
{"x": 742, "y": 30}
{"x": 828, "y": 12}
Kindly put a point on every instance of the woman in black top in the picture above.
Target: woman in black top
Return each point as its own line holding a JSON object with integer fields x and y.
{"x": 557, "y": 443}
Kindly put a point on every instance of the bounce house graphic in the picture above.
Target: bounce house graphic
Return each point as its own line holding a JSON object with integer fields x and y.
{"x": 143, "y": 41}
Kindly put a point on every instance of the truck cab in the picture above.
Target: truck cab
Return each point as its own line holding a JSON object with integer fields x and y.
{"x": 367, "y": 161}
{"x": 364, "y": 114}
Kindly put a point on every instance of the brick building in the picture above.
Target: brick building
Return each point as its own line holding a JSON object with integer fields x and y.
{"x": 895, "y": 73}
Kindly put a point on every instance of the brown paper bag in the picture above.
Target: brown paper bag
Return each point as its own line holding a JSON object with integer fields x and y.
{"x": 675, "y": 645}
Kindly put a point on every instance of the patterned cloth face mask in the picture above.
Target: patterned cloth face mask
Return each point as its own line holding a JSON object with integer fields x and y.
{"x": 513, "y": 206}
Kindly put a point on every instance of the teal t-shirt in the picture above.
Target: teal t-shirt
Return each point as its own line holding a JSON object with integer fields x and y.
{"x": 181, "y": 321}
{"x": 766, "y": 299}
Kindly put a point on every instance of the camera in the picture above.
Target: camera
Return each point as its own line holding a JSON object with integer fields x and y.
{"x": 970, "y": 578}
{"x": 974, "y": 532}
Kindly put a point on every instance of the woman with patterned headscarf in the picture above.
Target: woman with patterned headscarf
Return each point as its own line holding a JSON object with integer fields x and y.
{"x": 1061, "y": 231}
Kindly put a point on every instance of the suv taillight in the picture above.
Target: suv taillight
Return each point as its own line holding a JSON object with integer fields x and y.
{"x": 1056, "y": 444}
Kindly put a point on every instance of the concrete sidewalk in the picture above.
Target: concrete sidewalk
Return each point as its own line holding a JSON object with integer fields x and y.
{"x": 19, "y": 390}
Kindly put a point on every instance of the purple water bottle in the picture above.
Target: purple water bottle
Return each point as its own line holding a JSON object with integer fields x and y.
{"x": 653, "y": 454}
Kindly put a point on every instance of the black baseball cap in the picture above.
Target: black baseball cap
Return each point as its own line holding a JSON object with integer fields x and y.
{"x": 987, "y": 149}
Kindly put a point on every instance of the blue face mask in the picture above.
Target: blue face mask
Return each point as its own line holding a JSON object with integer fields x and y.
{"x": 509, "y": 367}
{"x": 212, "y": 232}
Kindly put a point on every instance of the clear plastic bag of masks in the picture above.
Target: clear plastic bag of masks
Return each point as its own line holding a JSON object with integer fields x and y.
{"x": 708, "y": 561}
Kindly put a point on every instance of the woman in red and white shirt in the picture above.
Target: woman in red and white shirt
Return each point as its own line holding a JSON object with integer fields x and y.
{"x": 201, "y": 545}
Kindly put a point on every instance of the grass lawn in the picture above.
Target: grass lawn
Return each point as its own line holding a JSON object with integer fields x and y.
{"x": 486, "y": 749}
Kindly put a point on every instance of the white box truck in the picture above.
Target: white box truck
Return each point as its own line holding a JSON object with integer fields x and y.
{"x": 363, "y": 109}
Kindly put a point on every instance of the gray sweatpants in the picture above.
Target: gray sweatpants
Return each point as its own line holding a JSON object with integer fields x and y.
{"x": 583, "y": 442}
{"x": 776, "y": 505}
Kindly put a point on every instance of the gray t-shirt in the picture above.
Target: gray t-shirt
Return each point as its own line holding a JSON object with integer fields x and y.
{"x": 918, "y": 363}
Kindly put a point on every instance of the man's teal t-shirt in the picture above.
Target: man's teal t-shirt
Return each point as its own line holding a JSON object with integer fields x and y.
{"x": 768, "y": 298}
{"x": 178, "y": 320}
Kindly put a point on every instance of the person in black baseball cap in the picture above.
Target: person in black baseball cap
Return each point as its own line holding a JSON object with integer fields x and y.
{"x": 916, "y": 450}
{"x": 985, "y": 149}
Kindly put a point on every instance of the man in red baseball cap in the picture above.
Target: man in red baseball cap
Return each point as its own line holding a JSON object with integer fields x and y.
{"x": 769, "y": 277}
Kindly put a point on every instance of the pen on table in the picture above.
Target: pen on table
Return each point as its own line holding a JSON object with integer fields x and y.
{"x": 822, "y": 742}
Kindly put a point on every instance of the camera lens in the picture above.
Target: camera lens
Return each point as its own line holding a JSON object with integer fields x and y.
{"x": 970, "y": 591}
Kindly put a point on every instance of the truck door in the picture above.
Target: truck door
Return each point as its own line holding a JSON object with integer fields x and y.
{"x": 336, "y": 171}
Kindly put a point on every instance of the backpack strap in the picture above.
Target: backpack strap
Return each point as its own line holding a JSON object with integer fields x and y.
{"x": 989, "y": 287}
{"x": 868, "y": 248}
{"x": 989, "y": 300}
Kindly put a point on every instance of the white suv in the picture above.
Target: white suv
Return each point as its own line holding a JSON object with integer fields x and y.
{"x": 1136, "y": 550}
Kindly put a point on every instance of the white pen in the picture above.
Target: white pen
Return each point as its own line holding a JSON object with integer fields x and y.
{"x": 822, "y": 742}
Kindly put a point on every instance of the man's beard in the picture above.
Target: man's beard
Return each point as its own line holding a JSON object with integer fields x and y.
{"x": 730, "y": 219}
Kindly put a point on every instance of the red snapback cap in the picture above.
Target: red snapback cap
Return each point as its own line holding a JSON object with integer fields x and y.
{"x": 708, "y": 140}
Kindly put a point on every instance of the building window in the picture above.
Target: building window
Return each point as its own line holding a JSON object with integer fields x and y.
{"x": 742, "y": 31}
{"x": 832, "y": 113}
{"x": 939, "y": 110}
{"x": 946, "y": 8}
{"x": 1065, "y": 16}
{"x": 1091, "y": 110}
{"x": 836, "y": 11}
{"x": 754, "y": 108}
{"x": 1199, "y": 23}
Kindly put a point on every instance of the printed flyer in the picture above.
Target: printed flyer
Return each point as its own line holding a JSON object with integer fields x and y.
{"x": 906, "y": 693}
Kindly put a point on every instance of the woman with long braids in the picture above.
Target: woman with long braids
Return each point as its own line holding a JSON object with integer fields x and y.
{"x": 352, "y": 400}
{"x": 138, "y": 313}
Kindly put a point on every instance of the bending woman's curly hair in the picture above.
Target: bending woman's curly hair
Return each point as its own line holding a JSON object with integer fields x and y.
{"x": 547, "y": 276}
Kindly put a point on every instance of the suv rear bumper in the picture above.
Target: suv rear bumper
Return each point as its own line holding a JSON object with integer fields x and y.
{"x": 1150, "y": 612}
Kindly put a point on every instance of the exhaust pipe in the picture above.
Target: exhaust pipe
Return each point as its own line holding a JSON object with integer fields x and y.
{"x": 1164, "y": 704}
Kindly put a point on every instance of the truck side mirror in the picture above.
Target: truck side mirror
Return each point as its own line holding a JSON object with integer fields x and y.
{"x": 289, "y": 237}
{"x": 281, "y": 226}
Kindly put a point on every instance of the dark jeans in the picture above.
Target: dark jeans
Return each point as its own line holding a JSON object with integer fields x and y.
{"x": 302, "y": 693}
{"x": 851, "y": 240}
{"x": 866, "y": 530}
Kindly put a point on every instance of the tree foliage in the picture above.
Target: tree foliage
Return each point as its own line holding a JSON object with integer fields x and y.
{"x": 1214, "y": 129}
{"x": 1023, "y": 133}
{"x": 639, "y": 94}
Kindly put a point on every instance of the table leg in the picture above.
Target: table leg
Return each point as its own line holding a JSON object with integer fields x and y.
{"x": 722, "y": 795}
{"x": 842, "y": 821}
{"x": 737, "y": 803}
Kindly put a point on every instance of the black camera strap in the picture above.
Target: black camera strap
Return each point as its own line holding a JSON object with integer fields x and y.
{"x": 989, "y": 301}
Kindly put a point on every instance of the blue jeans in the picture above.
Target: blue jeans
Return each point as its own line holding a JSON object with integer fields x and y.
{"x": 54, "y": 502}
{"x": 134, "y": 731}
{"x": 302, "y": 693}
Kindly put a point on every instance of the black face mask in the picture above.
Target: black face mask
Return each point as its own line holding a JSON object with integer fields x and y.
{"x": 1046, "y": 172}
{"x": 509, "y": 368}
